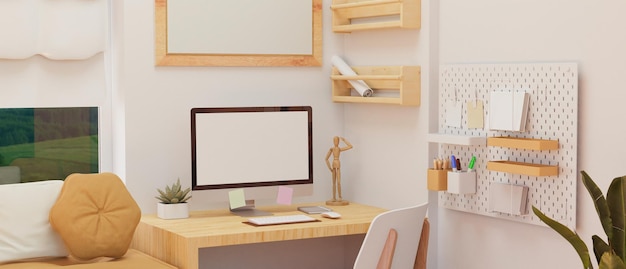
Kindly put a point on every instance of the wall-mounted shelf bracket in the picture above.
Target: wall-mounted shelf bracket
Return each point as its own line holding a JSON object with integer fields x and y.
{"x": 399, "y": 85}
{"x": 355, "y": 15}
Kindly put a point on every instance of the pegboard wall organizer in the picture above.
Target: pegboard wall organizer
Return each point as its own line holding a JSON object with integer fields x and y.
{"x": 542, "y": 158}
{"x": 403, "y": 14}
{"x": 399, "y": 85}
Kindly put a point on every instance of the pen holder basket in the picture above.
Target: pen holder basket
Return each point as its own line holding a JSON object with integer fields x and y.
{"x": 437, "y": 179}
{"x": 462, "y": 182}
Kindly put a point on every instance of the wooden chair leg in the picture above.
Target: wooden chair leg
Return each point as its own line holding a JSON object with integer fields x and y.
{"x": 422, "y": 249}
{"x": 386, "y": 257}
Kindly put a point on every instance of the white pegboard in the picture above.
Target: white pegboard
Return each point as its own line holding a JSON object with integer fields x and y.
{"x": 553, "y": 115}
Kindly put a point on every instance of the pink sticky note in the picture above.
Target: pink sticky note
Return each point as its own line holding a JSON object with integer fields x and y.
{"x": 284, "y": 195}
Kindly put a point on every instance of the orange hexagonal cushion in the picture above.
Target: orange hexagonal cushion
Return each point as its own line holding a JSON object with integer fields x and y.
{"x": 95, "y": 215}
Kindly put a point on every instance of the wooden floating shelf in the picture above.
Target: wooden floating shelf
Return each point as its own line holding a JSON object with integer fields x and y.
{"x": 523, "y": 168}
{"x": 457, "y": 139}
{"x": 403, "y": 80}
{"x": 523, "y": 143}
{"x": 402, "y": 14}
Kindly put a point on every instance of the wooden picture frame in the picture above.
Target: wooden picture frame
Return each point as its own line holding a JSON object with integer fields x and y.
{"x": 164, "y": 57}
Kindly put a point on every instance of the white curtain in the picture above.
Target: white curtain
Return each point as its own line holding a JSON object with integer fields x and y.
{"x": 55, "y": 29}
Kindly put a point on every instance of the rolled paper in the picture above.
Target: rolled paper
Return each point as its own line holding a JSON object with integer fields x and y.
{"x": 359, "y": 85}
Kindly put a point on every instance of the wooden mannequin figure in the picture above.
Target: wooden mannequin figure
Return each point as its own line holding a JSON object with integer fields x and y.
{"x": 335, "y": 169}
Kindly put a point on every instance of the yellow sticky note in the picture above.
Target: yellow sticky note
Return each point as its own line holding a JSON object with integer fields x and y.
{"x": 475, "y": 114}
{"x": 236, "y": 198}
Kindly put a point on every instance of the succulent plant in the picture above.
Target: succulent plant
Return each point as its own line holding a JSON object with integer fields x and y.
{"x": 173, "y": 194}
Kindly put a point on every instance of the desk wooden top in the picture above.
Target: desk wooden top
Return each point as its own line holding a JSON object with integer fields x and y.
{"x": 222, "y": 228}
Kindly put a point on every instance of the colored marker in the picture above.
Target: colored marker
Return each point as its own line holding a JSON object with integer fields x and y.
{"x": 458, "y": 165}
{"x": 470, "y": 166}
{"x": 453, "y": 162}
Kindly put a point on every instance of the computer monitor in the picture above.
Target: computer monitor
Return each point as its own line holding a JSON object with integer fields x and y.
{"x": 249, "y": 147}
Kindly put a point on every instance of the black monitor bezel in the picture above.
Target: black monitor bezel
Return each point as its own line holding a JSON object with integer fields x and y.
{"x": 195, "y": 111}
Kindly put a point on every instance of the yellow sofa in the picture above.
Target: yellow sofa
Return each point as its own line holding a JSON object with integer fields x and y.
{"x": 86, "y": 221}
{"x": 133, "y": 259}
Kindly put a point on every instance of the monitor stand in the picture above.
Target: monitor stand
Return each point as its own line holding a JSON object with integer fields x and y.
{"x": 249, "y": 210}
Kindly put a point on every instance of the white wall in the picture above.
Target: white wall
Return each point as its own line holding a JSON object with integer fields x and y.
{"x": 589, "y": 33}
{"x": 157, "y": 103}
{"x": 384, "y": 169}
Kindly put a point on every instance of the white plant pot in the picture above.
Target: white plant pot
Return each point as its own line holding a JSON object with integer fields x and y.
{"x": 173, "y": 211}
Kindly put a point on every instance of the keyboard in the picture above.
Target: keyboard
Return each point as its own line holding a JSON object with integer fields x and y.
{"x": 281, "y": 219}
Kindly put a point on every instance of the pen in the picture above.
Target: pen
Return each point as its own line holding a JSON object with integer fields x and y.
{"x": 470, "y": 166}
{"x": 453, "y": 162}
{"x": 458, "y": 165}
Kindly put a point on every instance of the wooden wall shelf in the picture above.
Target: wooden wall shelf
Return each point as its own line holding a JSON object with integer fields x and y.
{"x": 523, "y": 143}
{"x": 457, "y": 139}
{"x": 398, "y": 85}
{"x": 523, "y": 168}
{"x": 402, "y": 14}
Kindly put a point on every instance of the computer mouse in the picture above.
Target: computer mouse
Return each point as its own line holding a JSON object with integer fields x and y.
{"x": 331, "y": 215}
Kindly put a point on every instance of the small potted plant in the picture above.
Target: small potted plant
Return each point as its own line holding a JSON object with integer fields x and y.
{"x": 173, "y": 202}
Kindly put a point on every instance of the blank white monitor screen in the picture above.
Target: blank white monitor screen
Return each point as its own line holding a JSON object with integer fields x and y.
{"x": 251, "y": 147}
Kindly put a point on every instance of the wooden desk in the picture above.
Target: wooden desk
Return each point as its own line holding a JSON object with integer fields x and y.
{"x": 178, "y": 241}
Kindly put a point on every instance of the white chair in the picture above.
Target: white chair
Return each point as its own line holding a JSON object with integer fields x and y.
{"x": 393, "y": 238}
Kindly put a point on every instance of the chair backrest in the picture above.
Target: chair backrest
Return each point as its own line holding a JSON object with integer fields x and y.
{"x": 406, "y": 224}
{"x": 386, "y": 257}
{"x": 422, "y": 248}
